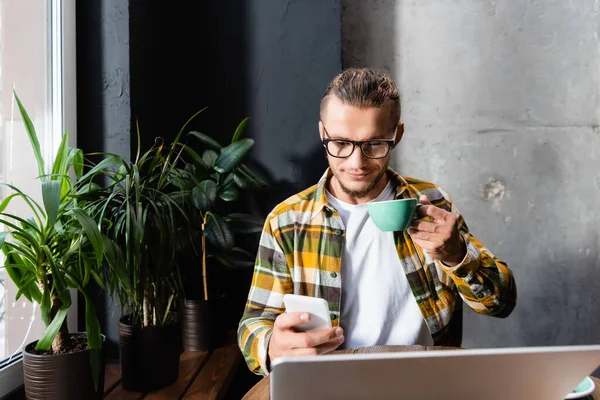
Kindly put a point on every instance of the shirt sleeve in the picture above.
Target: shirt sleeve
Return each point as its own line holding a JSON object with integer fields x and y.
{"x": 270, "y": 281}
{"x": 485, "y": 283}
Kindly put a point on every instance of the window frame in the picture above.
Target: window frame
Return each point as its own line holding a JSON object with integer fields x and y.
{"x": 63, "y": 117}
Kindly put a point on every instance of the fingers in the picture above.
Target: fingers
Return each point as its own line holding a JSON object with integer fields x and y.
{"x": 323, "y": 348}
{"x": 286, "y": 341}
{"x": 429, "y": 210}
{"x": 436, "y": 214}
{"x": 421, "y": 235}
{"x": 424, "y": 200}
{"x": 317, "y": 338}
{"x": 425, "y": 226}
{"x": 302, "y": 340}
{"x": 290, "y": 320}
{"x": 428, "y": 246}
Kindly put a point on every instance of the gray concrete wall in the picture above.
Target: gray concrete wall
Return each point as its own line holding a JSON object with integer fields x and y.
{"x": 294, "y": 51}
{"x": 103, "y": 110}
{"x": 501, "y": 106}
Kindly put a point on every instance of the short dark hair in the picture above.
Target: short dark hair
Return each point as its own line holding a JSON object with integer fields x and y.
{"x": 364, "y": 87}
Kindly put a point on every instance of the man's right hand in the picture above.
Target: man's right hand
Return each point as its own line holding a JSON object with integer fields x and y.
{"x": 286, "y": 341}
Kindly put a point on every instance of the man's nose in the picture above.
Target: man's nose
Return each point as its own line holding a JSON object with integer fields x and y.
{"x": 357, "y": 159}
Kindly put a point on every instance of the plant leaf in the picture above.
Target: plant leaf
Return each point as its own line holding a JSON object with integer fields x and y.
{"x": 218, "y": 232}
{"x": 45, "y": 342}
{"x": 233, "y": 155}
{"x": 195, "y": 157}
{"x": 91, "y": 231}
{"x": 98, "y": 279}
{"x": 33, "y": 138}
{"x": 230, "y": 194}
{"x": 24, "y": 289}
{"x": 15, "y": 273}
{"x": 76, "y": 160}
{"x": 60, "y": 167}
{"x": 245, "y": 179}
{"x": 45, "y": 306}
{"x": 209, "y": 157}
{"x": 6, "y": 201}
{"x": 57, "y": 278}
{"x": 92, "y": 327}
{"x": 204, "y": 195}
{"x": 164, "y": 318}
{"x": 103, "y": 165}
{"x": 208, "y": 142}
{"x": 33, "y": 205}
{"x": 51, "y": 191}
{"x": 115, "y": 259}
{"x": 3, "y": 236}
{"x": 239, "y": 130}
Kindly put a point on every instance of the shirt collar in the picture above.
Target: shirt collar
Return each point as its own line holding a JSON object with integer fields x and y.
{"x": 321, "y": 202}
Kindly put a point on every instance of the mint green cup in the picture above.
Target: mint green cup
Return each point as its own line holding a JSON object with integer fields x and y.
{"x": 393, "y": 215}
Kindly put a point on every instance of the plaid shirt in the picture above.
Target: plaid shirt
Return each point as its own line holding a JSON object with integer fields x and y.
{"x": 301, "y": 250}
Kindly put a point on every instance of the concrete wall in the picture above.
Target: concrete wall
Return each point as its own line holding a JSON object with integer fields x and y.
{"x": 103, "y": 110}
{"x": 500, "y": 102}
{"x": 294, "y": 51}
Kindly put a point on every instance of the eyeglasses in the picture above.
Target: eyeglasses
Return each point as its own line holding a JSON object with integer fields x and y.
{"x": 341, "y": 148}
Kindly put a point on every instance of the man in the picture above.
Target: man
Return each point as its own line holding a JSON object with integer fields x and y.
{"x": 383, "y": 288}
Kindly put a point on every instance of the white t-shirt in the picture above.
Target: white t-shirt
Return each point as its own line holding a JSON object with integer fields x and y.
{"x": 378, "y": 307}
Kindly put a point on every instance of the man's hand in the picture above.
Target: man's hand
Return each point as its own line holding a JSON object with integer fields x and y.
{"x": 286, "y": 341}
{"x": 440, "y": 237}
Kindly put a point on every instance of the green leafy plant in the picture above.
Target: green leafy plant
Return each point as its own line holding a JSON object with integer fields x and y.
{"x": 56, "y": 248}
{"x": 139, "y": 210}
{"x": 217, "y": 179}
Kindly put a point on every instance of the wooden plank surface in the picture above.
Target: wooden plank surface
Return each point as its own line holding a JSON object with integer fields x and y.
{"x": 214, "y": 378}
{"x": 112, "y": 376}
{"x": 189, "y": 365}
{"x": 121, "y": 394}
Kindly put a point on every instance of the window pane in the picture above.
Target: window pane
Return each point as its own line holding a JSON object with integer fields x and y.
{"x": 25, "y": 65}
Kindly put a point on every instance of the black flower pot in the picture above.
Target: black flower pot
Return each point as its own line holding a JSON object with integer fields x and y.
{"x": 195, "y": 325}
{"x": 149, "y": 356}
{"x": 60, "y": 376}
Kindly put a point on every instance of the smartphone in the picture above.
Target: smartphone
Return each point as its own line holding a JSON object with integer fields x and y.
{"x": 315, "y": 306}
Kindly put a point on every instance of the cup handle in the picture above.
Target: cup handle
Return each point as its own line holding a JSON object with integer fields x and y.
{"x": 415, "y": 217}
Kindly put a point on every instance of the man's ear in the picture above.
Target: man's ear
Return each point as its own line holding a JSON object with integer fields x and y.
{"x": 321, "y": 133}
{"x": 399, "y": 133}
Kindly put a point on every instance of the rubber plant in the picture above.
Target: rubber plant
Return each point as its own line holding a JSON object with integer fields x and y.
{"x": 56, "y": 248}
{"x": 216, "y": 179}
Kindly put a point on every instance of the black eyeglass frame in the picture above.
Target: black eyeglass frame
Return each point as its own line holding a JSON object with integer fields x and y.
{"x": 354, "y": 143}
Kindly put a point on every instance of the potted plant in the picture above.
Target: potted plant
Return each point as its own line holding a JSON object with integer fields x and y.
{"x": 216, "y": 179}
{"x": 56, "y": 248}
{"x": 139, "y": 209}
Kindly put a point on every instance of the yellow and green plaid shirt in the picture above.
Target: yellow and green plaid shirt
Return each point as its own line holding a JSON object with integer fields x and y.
{"x": 301, "y": 251}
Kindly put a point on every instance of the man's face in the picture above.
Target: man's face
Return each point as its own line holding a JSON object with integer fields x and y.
{"x": 358, "y": 176}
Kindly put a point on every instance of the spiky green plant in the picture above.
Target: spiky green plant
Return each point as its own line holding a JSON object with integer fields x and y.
{"x": 58, "y": 246}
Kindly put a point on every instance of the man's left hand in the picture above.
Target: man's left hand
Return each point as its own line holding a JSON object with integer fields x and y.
{"x": 440, "y": 237}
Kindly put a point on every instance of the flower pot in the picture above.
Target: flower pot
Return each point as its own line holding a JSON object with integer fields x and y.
{"x": 149, "y": 356}
{"x": 60, "y": 376}
{"x": 195, "y": 325}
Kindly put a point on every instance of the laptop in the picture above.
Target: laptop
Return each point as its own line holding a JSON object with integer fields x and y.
{"x": 547, "y": 373}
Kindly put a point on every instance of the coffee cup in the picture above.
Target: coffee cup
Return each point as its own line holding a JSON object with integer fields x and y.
{"x": 393, "y": 215}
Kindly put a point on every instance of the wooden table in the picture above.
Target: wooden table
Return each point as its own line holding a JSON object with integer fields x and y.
{"x": 202, "y": 375}
{"x": 261, "y": 390}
